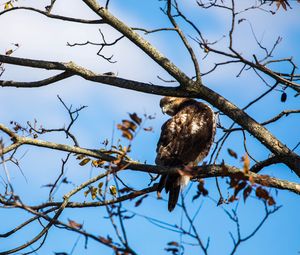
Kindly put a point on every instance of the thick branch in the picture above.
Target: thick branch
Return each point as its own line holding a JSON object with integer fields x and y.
{"x": 219, "y": 170}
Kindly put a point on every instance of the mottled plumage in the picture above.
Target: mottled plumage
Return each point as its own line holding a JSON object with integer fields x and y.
{"x": 185, "y": 140}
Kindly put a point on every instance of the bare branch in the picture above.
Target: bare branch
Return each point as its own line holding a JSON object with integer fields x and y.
{"x": 36, "y": 84}
{"x": 196, "y": 234}
{"x": 272, "y": 120}
{"x": 53, "y": 16}
{"x": 146, "y": 31}
{"x": 183, "y": 39}
{"x": 255, "y": 65}
{"x": 56, "y": 216}
{"x": 102, "y": 46}
{"x": 280, "y": 115}
{"x": 64, "y": 161}
{"x": 239, "y": 240}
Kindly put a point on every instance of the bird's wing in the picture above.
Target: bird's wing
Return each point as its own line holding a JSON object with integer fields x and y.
{"x": 186, "y": 137}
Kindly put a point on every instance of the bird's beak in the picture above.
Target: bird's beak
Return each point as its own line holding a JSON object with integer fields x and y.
{"x": 163, "y": 110}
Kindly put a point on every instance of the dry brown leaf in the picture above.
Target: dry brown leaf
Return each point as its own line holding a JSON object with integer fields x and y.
{"x": 74, "y": 224}
{"x": 8, "y": 5}
{"x": 138, "y": 202}
{"x": 98, "y": 162}
{"x": 148, "y": 129}
{"x": 232, "y": 153}
{"x": 135, "y": 118}
{"x": 251, "y": 180}
{"x": 241, "y": 185}
{"x": 271, "y": 201}
{"x": 262, "y": 193}
{"x": 173, "y": 243}
{"x": 247, "y": 192}
{"x": 9, "y": 52}
{"x": 281, "y": 3}
{"x": 87, "y": 192}
{"x": 121, "y": 127}
{"x": 201, "y": 188}
{"x": 80, "y": 156}
{"x": 129, "y": 125}
{"x": 232, "y": 199}
{"x": 94, "y": 192}
{"x": 104, "y": 240}
{"x": 113, "y": 190}
{"x": 246, "y": 166}
{"x": 84, "y": 161}
{"x": 100, "y": 185}
{"x": 127, "y": 134}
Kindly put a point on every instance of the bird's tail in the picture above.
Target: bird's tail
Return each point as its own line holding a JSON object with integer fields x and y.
{"x": 173, "y": 184}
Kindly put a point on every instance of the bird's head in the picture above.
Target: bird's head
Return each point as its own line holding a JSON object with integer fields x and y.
{"x": 171, "y": 105}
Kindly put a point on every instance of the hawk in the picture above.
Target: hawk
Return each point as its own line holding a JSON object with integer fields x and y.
{"x": 185, "y": 141}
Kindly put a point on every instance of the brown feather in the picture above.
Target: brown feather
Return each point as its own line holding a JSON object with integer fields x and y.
{"x": 173, "y": 186}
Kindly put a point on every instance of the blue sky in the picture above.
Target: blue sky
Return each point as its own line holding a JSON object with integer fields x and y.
{"x": 41, "y": 38}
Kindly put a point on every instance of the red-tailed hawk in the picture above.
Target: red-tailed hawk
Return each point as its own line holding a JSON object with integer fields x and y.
{"x": 185, "y": 140}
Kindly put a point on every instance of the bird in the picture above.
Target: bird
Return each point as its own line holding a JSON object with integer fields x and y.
{"x": 185, "y": 140}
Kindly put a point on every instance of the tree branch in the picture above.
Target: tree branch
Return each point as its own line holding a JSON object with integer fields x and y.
{"x": 36, "y": 84}
{"x": 200, "y": 172}
{"x": 66, "y": 199}
{"x": 53, "y": 16}
{"x": 184, "y": 39}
